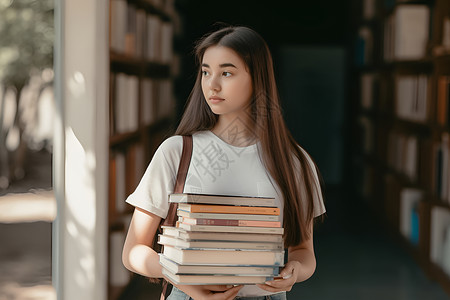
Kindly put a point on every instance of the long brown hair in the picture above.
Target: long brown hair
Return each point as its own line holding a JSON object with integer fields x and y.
{"x": 276, "y": 142}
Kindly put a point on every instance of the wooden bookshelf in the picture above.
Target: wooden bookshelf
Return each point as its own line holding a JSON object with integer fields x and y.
{"x": 141, "y": 109}
{"x": 402, "y": 123}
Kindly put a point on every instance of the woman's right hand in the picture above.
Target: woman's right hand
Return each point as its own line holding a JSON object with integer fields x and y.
{"x": 210, "y": 292}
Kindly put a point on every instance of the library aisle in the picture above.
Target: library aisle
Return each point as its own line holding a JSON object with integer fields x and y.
{"x": 356, "y": 259}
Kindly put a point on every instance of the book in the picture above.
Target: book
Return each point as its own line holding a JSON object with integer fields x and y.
{"x": 411, "y": 32}
{"x": 214, "y": 279}
{"x": 412, "y": 97}
{"x": 188, "y": 214}
{"x": 440, "y": 222}
{"x": 228, "y": 209}
{"x": 443, "y": 98}
{"x": 118, "y": 25}
{"x": 446, "y": 251}
{"x": 196, "y": 244}
{"x": 409, "y": 200}
{"x": 243, "y": 229}
{"x": 222, "y": 200}
{"x": 175, "y": 268}
{"x": 224, "y": 256}
{"x": 165, "y": 102}
{"x": 148, "y": 101}
{"x": 153, "y": 38}
{"x": 224, "y": 222}
{"x": 369, "y": 9}
{"x": 221, "y": 236}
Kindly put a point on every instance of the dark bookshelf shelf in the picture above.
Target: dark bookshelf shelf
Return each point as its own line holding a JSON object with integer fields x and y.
{"x": 123, "y": 138}
{"x": 116, "y": 224}
{"x": 115, "y": 292}
{"x": 423, "y": 129}
{"x": 164, "y": 123}
{"x": 403, "y": 179}
{"x": 389, "y": 8}
{"x": 424, "y": 65}
{"x": 435, "y": 201}
{"x": 136, "y": 66}
{"x": 151, "y": 8}
{"x": 442, "y": 64}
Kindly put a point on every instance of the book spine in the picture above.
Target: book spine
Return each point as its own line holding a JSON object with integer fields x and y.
{"x": 219, "y": 257}
{"x": 221, "y": 200}
{"x": 187, "y": 214}
{"x": 224, "y": 222}
{"x": 242, "y": 229}
{"x": 231, "y": 209}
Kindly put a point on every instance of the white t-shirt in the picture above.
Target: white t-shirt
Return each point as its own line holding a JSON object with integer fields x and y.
{"x": 216, "y": 168}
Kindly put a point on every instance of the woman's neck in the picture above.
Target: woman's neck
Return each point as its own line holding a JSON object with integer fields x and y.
{"x": 236, "y": 131}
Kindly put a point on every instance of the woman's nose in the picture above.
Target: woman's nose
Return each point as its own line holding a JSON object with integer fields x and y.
{"x": 214, "y": 83}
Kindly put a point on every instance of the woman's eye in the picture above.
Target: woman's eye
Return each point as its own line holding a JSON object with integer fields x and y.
{"x": 226, "y": 74}
{"x": 204, "y": 73}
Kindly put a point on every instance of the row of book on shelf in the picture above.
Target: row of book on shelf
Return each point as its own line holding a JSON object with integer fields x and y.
{"x": 119, "y": 276}
{"x": 126, "y": 167}
{"x": 441, "y": 168}
{"x": 369, "y": 8}
{"x": 136, "y": 33}
{"x": 407, "y": 153}
{"x": 366, "y": 135}
{"x": 222, "y": 240}
{"x": 410, "y": 199}
{"x": 134, "y": 99}
{"x": 412, "y": 95}
{"x": 406, "y": 36}
{"x": 403, "y": 154}
{"x": 443, "y": 100}
{"x": 406, "y": 33}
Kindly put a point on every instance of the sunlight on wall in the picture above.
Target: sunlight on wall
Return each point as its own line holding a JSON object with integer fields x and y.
{"x": 80, "y": 166}
{"x": 81, "y": 73}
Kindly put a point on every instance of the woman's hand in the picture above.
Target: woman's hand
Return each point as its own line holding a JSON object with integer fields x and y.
{"x": 210, "y": 292}
{"x": 287, "y": 279}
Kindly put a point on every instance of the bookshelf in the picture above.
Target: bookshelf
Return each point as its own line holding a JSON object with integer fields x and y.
{"x": 401, "y": 163}
{"x": 142, "y": 65}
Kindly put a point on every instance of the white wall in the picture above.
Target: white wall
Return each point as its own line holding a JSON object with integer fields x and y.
{"x": 81, "y": 149}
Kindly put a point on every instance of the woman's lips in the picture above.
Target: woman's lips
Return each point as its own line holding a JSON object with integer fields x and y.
{"x": 215, "y": 100}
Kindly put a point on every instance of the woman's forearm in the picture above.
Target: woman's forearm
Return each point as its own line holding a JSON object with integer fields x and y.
{"x": 143, "y": 260}
{"x": 306, "y": 263}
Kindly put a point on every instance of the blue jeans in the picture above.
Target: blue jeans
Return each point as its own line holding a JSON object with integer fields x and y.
{"x": 176, "y": 294}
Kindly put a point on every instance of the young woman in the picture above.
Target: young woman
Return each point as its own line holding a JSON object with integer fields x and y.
{"x": 241, "y": 146}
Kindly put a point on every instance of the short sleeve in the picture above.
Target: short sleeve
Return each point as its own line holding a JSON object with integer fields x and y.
{"x": 319, "y": 206}
{"x": 157, "y": 183}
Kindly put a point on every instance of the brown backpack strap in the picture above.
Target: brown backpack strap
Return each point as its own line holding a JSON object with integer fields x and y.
{"x": 171, "y": 218}
{"x": 181, "y": 178}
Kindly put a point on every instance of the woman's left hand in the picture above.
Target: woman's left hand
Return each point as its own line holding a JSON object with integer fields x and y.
{"x": 286, "y": 280}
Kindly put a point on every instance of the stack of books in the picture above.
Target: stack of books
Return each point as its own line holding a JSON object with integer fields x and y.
{"x": 222, "y": 240}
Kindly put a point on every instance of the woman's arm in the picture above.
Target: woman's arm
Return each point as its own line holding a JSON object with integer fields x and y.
{"x": 137, "y": 255}
{"x": 300, "y": 266}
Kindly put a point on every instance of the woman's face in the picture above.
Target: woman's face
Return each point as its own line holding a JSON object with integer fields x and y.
{"x": 226, "y": 83}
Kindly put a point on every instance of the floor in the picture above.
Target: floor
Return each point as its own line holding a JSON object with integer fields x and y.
{"x": 27, "y": 209}
{"x": 356, "y": 259}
